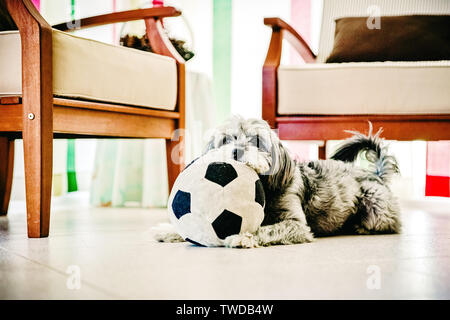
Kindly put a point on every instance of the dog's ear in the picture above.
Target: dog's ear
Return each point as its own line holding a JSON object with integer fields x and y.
{"x": 282, "y": 167}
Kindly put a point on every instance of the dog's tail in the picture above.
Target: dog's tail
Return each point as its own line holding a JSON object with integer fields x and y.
{"x": 385, "y": 165}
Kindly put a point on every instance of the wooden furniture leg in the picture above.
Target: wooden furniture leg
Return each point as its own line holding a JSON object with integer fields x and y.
{"x": 323, "y": 151}
{"x": 38, "y": 157}
{"x": 174, "y": 157}
{"x": 6, "y": 172}
{"x": 37, "y": 116}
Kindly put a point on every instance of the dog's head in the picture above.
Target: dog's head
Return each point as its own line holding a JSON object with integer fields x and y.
{"x": 253, "y": 142}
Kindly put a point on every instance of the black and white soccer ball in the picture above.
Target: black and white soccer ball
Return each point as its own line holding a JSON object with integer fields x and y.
{"x": 215, "y": 198}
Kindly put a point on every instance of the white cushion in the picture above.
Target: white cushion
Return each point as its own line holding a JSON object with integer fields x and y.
{"x": 365, "y": 88}
{"x": 93, "y": 70}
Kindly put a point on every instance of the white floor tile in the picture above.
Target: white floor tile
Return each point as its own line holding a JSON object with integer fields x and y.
{"x": 118, "y": 258}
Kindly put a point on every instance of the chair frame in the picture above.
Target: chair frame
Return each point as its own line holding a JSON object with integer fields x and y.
{"x": 38, "y": 117}
{"x": 331, "y": 127}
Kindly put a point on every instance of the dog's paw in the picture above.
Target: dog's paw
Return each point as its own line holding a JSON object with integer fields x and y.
{"x": 361, "y": 230}
{"x": 165, "y": 232}
{"x": 168, "y": 237}
{"x": 242, "y": 240}
{"x": 260, "y": 167}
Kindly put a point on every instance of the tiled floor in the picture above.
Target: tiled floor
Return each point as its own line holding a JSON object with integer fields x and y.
{"x": 116, "y": 258}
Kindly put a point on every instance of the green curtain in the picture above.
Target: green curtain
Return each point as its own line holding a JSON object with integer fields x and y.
{"x": 71, "y": 167}
{"x": 222, "y": 57}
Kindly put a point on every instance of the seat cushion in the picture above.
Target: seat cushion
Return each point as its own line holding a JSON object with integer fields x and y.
{"x": 93, "y": 70}
{"x": 365, "y": 88}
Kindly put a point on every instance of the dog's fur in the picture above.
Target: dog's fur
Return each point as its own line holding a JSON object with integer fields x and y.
{"x": 324, "y": 197}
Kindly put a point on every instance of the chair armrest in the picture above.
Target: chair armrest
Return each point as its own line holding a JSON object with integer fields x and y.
{"x": 159, "y": 41}
{"x": 122, "y": 16}
{"x": 288, "y": 33}
{"x": 280, "y": 30}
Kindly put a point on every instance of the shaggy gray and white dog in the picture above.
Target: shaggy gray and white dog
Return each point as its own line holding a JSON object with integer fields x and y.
{"x": 321, "y": 198}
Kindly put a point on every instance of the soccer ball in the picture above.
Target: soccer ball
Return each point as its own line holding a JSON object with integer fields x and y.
{"x": 214, "y": 198}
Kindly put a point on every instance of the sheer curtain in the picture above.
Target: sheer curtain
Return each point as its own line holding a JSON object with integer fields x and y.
{"x": 134, "y": 172}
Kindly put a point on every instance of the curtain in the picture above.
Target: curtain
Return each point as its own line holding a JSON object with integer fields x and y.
{"x": 133, "y": 173}
{"x": 222, "y": 35}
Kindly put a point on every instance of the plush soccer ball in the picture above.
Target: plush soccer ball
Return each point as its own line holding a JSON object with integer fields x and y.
{"x": 215, "y": 198}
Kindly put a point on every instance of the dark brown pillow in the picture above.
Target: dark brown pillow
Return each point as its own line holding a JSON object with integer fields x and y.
{"x": 400, "y": 38}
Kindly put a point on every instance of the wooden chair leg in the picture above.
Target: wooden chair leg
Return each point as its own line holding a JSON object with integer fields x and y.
{"x": 38, "y": 157}
{"x": 37, "y": 104}
{"x": 6, "y": 172}
{"x": 323, "y": 151}
{"x": 175, "y": 160}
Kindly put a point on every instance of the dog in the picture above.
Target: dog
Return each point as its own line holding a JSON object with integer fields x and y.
{"x": 310, "y": 199}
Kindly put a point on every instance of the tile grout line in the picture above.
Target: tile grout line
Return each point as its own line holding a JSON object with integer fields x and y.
{"x": 87, "y": 283}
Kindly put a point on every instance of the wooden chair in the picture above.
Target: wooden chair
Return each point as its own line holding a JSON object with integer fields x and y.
{"x": 317, "y": 123}
{"x": 38, "y": 116}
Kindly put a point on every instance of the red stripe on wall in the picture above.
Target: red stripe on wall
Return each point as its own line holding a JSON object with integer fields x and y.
{"x": 438, "y": 169}
{"x": 37, "y": 4}
{"x": 437, "y": 186}
{"x": 301, "y": 22}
